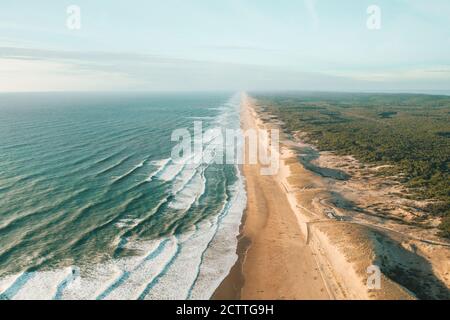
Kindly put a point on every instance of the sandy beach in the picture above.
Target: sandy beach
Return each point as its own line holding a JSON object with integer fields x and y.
{"x": 300, "y": 239}
{"x": 274, "y": 260}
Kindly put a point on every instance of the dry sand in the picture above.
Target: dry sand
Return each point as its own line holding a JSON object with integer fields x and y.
{"x": 303, "y": 235}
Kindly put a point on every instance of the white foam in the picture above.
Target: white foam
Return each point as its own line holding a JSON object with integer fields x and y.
{"x": 7, "y": 281}
{"x": 175, "y": 168}
{"x": 144, "y": 273}
{"x": 92, "y": 282}
{"x": 220, "y": 256}
{"x": 43, "y": 285}
{"x": 161, "y": 164}
{"x": 127, "y": 223}
{"x": 176, "y": 282}
{"x": 190, "y": 265}
{"x": 205, "y": 257}
{"x": 183, "y": 178}
{"x": 189, "y": 193}
{"x": 171, "y": 171}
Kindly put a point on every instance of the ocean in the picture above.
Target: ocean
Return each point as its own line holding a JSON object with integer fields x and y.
{"x": 92, "y": 206}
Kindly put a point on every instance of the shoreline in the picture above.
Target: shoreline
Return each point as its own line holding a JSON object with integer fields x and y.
{"x": 274, "y": 261}
{"x": 231, "y": 287}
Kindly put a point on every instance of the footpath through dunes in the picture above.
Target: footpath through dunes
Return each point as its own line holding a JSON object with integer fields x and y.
{"x": 275, "y": 262}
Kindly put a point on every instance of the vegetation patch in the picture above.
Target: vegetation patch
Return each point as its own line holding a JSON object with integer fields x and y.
{"x": 405, "y": 131}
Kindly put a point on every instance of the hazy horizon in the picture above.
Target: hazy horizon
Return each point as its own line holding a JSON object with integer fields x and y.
{"x": 166, "y": 92}
{"x": 247, "y": 45}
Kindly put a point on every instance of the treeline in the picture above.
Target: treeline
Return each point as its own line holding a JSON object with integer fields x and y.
{"x": 410, "y": 132}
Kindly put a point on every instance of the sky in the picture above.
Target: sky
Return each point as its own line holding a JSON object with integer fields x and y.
{"x": 200, "y": 45}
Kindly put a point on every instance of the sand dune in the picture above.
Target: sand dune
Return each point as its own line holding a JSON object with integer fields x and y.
{"x": 302, "y": 238}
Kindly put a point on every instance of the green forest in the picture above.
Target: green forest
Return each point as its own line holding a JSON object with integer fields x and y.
{"x": 411, "y": 132}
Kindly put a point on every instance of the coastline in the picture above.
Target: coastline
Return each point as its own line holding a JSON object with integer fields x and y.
{"x": 231, "y": 286}
{"x": 274, "y": 260}
{"x": 341, "y": 242}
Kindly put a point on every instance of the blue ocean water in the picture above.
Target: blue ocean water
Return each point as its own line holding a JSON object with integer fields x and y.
{"x": 93, "y": 207}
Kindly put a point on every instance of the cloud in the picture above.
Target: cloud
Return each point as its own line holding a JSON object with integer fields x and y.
{"x": 230, "y": 47}
{"x": 36, "y": 75}
{"x": 25, "y": 69}
{"x": 417, "y": 79}
{"x": 92, "y": 56}
{"x": 50, "y": 70}
{"x": 79, "y": 70}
